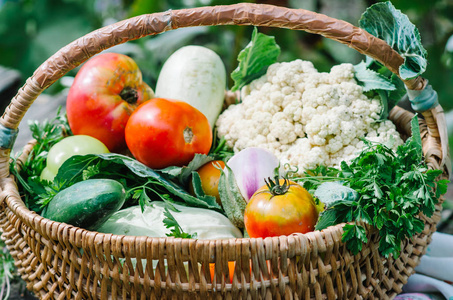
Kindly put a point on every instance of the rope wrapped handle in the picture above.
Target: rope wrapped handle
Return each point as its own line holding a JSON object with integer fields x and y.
{"x": 77, "y": 52}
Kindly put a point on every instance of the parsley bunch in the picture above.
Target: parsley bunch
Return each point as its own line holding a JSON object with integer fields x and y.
{"x": 393, "y": 188}
{"x": 46, "y": 134}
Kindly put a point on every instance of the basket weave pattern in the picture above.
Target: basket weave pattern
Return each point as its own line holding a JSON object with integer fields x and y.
{"x": 59, "y": 261}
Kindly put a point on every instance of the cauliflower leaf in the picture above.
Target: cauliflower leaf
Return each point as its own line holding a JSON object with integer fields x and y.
{"x": 372, "y": 80}
{"x": 375, "y": 78}
{"x": 254, "y": 59}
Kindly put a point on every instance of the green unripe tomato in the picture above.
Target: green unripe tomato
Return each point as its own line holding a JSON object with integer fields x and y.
{"x": 67, "y": 147}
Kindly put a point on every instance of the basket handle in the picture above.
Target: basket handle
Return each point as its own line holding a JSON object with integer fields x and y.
{"x": 75, "y": 53}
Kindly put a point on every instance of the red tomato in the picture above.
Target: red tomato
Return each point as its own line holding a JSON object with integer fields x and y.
{"x": 273, "y": 213}
{"x": 162, "y": 133}
{"x": 210, "y": 176}
{"x": 105, "y": 92}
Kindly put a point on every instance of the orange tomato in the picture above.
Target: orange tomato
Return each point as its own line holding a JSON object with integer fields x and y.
{"x": 280, "y": 209}
{"x": 231, "y": 265}
{"x": 210, "y": 176}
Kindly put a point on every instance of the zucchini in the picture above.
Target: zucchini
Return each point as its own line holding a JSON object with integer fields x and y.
{"x": 86, "y": 204}
{"x": 195, "y": 75}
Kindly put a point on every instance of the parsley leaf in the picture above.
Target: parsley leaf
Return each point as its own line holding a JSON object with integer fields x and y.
{"x": 176, "y": 230}
{"x": 354, "y": 235}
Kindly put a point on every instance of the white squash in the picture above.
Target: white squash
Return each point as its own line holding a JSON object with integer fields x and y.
{"x": 208, "y": 224}
{"x": 196, "y": 75}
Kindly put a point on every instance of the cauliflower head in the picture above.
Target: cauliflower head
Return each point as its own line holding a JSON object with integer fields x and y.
{"x": 305, "y": 117}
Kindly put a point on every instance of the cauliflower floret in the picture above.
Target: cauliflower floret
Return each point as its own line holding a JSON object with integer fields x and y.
{"x": 303, "y": 154}
{"x": 341, "y": 74}
{"x": 306, "y": 118}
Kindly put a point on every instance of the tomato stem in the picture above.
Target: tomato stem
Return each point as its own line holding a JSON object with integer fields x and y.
{"x": 129, "y": 95}
{"x": 188, "y": 135}
{"x": 275, "y": 187}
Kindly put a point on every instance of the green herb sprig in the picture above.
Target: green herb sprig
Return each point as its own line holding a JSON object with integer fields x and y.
{"x": 176, "y": 230}
{"x": 46, "y": 134}
{"x": 394, "y": 189}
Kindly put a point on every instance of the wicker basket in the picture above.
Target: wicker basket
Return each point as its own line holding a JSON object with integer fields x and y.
{"x": 61, "y": 261}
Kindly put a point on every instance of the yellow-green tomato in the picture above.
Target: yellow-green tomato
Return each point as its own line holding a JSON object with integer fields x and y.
{"x": 280, "y": 209}
{"x": 67, "y": 147}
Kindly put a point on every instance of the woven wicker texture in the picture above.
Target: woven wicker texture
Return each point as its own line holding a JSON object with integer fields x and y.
{"x": 59, "y": 261}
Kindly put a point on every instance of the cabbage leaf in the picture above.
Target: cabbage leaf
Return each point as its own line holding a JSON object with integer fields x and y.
{"x": 384, "y": 21}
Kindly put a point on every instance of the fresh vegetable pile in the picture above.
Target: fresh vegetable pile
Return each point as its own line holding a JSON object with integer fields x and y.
{"x": 299, "y": 151}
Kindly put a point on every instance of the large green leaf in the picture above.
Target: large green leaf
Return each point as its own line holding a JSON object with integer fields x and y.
{"x": 389, "y": 24}
{"x": 254, "y": 59}
{"x": 72, "y": 171}
{"x": 183, "y": 174}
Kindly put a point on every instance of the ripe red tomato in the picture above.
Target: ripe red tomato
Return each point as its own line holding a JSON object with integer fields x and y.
{"x": 162, "y": 133}
{"x": 210, "y": 176}
{"x": 105, "y": 92}
{"x": 273, "y": 213}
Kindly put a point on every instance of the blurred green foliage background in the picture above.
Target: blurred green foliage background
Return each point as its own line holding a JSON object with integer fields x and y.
{"x": 32, "y": 30}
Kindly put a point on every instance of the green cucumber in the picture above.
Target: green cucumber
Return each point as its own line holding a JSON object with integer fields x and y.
{"x": 86, "y": 204}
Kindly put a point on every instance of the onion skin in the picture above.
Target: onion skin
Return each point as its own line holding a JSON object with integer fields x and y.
{"x": 250, "y": 167}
